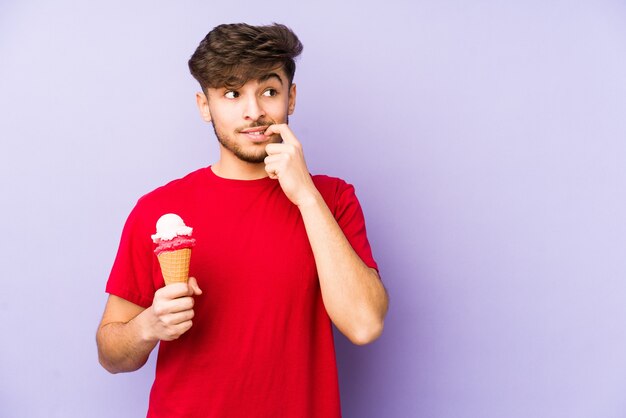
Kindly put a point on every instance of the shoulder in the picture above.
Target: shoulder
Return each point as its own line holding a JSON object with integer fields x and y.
{"x": 333, "y": 189}
{"x": 175, "y": 196}
{"x": 329, "y": 183}
{"x": 179, "y": 188}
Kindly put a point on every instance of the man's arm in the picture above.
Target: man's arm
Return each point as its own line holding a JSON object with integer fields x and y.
{"x": 353, "y": 294}
{"x": 128, "y": 332}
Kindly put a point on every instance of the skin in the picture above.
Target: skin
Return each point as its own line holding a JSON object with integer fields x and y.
{"x": 353, "y": 294}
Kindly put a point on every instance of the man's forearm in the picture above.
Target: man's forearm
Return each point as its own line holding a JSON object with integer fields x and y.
{"x": 353, "y": 294}
{"x": 122, "y": 347}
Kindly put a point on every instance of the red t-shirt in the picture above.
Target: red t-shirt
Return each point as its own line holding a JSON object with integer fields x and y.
{"x": 261, "y": 344}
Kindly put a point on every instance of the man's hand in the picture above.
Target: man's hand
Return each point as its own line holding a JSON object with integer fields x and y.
{"x": 171, "y": 313}
{"x": 128, "y": 332}
{"x": 285, "y": 162}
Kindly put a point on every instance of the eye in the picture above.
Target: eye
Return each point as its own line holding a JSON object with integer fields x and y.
{"x": 231, "y": 94}
{"x": 270, "y": 93}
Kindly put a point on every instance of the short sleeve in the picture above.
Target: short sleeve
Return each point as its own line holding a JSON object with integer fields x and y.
{"x": 131, "y": 274}
{"x": 349, "y": 215}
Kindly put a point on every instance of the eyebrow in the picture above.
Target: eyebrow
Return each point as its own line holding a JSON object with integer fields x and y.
{"x": 270, "y": 75}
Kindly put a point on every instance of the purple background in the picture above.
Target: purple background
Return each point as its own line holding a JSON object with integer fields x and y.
{"x": 487, "y": 142}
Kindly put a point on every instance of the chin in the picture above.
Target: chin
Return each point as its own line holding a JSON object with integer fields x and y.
{"x": 252, "y": 158}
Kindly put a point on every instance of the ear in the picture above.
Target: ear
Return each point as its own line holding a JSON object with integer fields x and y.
{"x": 292, "y": 99}
{"x": 203, "y": 106}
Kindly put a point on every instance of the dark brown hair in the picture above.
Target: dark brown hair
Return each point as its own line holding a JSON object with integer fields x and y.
{"x": 232, "y": 54}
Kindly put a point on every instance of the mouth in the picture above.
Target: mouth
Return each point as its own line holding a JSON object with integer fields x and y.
{"x": 255, "y": 134}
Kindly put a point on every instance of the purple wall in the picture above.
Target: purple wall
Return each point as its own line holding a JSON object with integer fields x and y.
{"x": 487, "y": 142}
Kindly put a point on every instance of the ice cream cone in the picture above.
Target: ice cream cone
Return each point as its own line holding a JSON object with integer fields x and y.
{"x": 175, "y": 265}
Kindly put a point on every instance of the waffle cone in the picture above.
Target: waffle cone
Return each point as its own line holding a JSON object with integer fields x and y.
{"x": 175, "y": 265}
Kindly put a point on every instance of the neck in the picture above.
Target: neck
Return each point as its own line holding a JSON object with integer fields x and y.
{"x": 231, "y": 167}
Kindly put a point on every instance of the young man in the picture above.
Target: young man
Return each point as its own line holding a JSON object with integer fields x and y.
{"x": 279, "y": 255}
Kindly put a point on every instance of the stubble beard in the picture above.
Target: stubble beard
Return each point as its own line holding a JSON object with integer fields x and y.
{"x": 247, "y": 156}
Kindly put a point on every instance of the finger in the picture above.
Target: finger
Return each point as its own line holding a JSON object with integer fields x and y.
{"x": 273, "y": 149}
{"x": 181, "y": 304}
{"x": 193, "y": 285}
{"x": 174, "y": 290}
{"x": 183, "y": 327}
{"x": 271, "y": 171}
{"x": 275, "y": 167}
{"x": 177, "y": 317}
{"x": 175, "y": 331}
{"x": 274, "y": 159}
{"x": 163, "y": 308}
{"x": 284, "y": 131}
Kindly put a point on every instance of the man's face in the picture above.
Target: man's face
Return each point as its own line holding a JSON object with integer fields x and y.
{"x": 240, "y": 116}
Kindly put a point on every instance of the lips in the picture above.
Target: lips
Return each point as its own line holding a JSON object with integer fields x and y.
{"x": 255, "y": 134}
{"x": 255, "y": 129}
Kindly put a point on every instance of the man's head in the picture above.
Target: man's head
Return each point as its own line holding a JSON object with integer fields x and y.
{"x": 246, "y": 74}
{"x": 232, "y": 54}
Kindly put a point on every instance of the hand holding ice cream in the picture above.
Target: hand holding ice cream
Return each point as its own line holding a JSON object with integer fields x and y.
{"x": 171, "y": 312}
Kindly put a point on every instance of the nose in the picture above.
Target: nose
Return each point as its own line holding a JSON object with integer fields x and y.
{"x": 253, "y": 109}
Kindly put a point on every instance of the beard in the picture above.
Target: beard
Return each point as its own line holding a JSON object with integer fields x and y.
{"x": 255, "y": 155}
